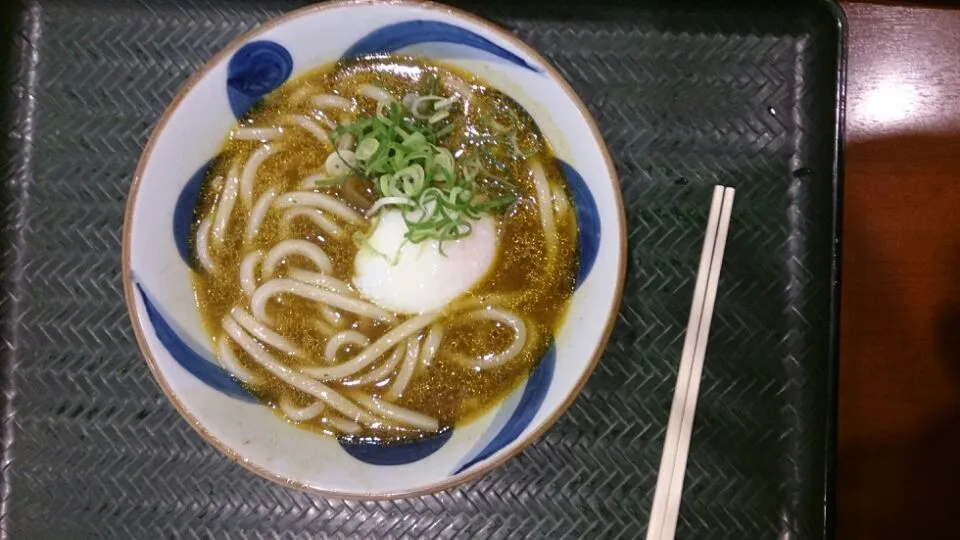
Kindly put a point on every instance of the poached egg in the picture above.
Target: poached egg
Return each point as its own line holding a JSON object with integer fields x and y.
{"x": 417, "y": 278}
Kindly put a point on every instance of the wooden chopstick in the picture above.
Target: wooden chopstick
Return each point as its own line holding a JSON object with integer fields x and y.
{"x": 690, "y": 407}
{"x": 667, "y": 461}
{"x": 666, "y": 502}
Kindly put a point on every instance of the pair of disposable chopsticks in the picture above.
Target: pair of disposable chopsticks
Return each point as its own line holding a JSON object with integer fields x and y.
{"x": 673, "y": 465}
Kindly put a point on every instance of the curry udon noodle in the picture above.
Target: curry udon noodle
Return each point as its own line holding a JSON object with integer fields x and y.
{"x": 385, "y": 249}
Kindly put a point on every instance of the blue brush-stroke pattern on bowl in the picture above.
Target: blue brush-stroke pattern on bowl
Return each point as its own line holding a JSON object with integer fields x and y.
{"x": 393, "y": 37}
{"x": 534, "y": 391}
{"x": 396, "y": 453}
{"x": 183, "y": 214}
{"x": 255, "y": 70}
{"x": 588, "y": 220}
{"x": 206, "y": 371}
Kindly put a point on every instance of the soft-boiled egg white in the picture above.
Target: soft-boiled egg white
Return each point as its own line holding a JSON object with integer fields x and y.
{"x": 416, "y": 278}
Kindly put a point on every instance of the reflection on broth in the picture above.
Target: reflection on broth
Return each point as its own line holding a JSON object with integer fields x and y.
{"x": 385, "y": 248}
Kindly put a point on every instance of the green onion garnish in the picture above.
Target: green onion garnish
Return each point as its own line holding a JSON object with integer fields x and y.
{"x": 400, "y": 153}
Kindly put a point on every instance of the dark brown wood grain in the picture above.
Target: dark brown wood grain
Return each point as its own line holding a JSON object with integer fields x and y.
{"x": 899, "y": 419}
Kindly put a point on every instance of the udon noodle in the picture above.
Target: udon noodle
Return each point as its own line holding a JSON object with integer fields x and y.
{"x": 384, "y": 248}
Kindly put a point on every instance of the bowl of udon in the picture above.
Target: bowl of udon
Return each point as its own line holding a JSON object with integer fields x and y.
{"x": 373, "y": 249}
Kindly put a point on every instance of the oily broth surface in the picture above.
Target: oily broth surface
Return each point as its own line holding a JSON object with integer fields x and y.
{"x": 444, "y": 390}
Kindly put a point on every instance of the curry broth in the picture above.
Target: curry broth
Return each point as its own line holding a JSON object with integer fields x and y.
{"x": 445, "y": 390}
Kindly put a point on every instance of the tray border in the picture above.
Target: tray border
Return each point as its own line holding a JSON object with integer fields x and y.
{"x": 20, "y": 55}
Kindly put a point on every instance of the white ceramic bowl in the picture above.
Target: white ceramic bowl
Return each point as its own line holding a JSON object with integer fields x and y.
{"x": 156, "y": 270}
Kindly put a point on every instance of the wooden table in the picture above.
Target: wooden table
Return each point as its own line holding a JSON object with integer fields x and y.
{"x": 899, "y": 441}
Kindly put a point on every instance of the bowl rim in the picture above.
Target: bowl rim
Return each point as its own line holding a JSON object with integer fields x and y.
{"x": 138, "y": 326}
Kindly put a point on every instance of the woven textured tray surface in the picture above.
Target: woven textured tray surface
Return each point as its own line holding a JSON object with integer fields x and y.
{"x": 686, "y": 99}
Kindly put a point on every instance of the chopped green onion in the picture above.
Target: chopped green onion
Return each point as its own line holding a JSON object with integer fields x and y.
{"x": 415, "y": 140}
{"x": 444, "y": 104}
{"x": 340, "y": 162}
{"x": 400, "y": 153}
{"x": 444, "y": 159}
{"x": 444, "y": 131}
{"x": 366, "y": 148}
